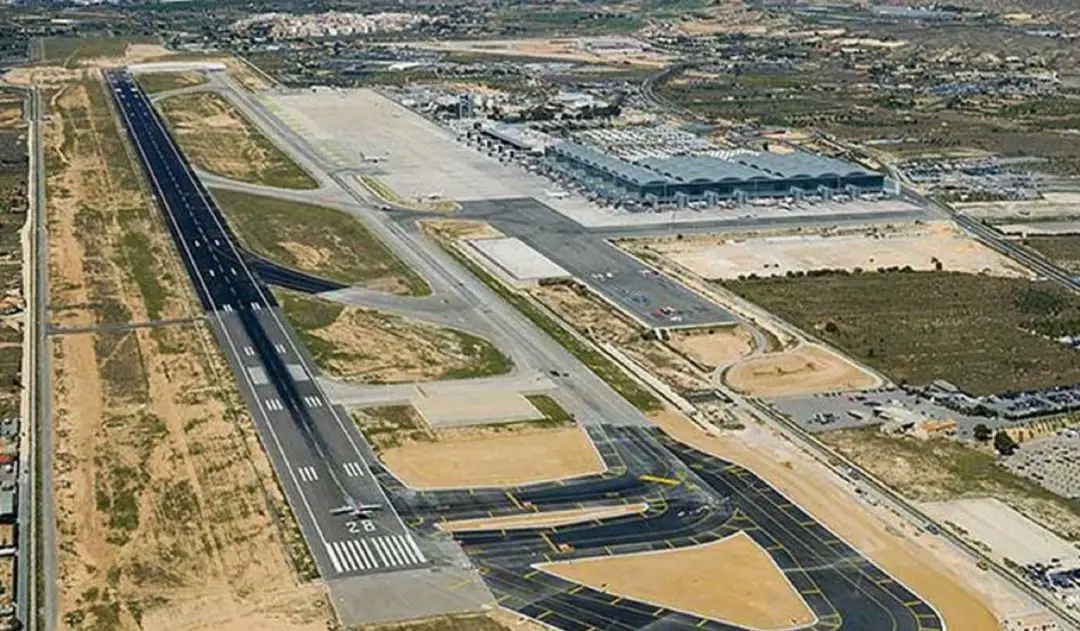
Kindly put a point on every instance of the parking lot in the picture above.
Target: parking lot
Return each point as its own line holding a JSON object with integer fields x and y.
{"x": 829, "y": 411}
{"x": 651, "y": 298}
{"x": 1015, "y": 405}
{"x": 1051, "y": 461}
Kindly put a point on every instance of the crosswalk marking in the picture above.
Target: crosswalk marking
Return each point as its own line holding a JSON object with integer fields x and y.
{"x": 307, "y": 474}
{"x": 353, "y": 469}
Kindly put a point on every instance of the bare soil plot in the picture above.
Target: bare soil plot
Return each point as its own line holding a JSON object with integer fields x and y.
{"x": 805, "y": 369}
{"x": 983, "y": 334}
{"x": 365, "y": 346}
{"x": 168, "y": 513}
{"x": 942, "y": 470}
{"x": 494, "y": 455}
{"x": 498, "y": 620}
{"x": 921, "y": 247}
{"x": 110, "y": 258}
{"x": 318, "y": 240}
{"x": 570, "y": 49}
{"x": 217, "y": 138}
{"x": 152, "y": 82}
{"x": 546, "y": 519}
{"x": 714, "y": 347}
{"x": 732, "y": 580}
{"x": 462, "y": 229}
{"x": 959, "y": 591}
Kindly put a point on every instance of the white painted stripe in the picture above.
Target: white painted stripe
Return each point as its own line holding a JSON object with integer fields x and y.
{"x": 355, "y": 547}
{"x": 394, "y": 552}
{"x": 333, "y": 558}
{"x": 382, "y": 555}
{"x": 403, "y": 541}
{"x": 374, "y": 562}
{"x": 350, "y": 562}
{"x": 399, "y": 548}
{"x": 415, "y": 548}
{"x": 250, "y": 352}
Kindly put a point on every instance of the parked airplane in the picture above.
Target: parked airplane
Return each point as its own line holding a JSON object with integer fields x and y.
{"x": 356, "y": 508}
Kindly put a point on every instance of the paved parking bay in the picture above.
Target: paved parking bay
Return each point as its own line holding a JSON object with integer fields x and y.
{"x": 652, "y": 299}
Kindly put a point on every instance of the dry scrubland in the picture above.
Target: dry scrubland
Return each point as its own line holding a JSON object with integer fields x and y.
{"x": 1063, "y": 251}
{"x": 168, "y": 515}
{"x": 318, "y": 240}
{"x": 493, "y": 455}
{"x": 928, "y": 567}
{"x": 217, "y": 138}
{"x": 13, "y": 174}
{"x": 365, "y": 346}
{"x": 983, "y": 334}
{"x": 732, "y": 580}
{"x": 919, "y": 246}
{"x": 161, "y": 82}
{"x": 941, "y": 470}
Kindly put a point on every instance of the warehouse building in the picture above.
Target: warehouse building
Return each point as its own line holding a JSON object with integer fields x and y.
{"x": 714, "y": 176}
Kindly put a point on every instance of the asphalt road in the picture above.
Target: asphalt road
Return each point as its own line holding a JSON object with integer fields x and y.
{"x": 318, "y": 455}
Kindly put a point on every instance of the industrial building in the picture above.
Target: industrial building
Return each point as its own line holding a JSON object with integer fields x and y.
{"x": 710, "y": 176}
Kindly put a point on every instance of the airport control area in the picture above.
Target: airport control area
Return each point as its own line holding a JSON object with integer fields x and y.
{"x": 436, "y": 319}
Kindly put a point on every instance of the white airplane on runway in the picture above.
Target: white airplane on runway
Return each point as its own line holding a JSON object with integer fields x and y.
{"x": 356, "y": 508}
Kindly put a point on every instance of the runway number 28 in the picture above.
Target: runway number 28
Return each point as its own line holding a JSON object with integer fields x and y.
{"x": 365, "y": 525}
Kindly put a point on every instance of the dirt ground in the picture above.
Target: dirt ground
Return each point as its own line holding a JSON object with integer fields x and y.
{"x": 107, "y": 242}
{"x": 968, "y": 598}
{"x": 805, "y": 369}
{"x": 217, "y": 138}
{"x": 559, "y": 48}
{"x": 493, "y": 456}
{"x": 732, "y": 580}
{"x": 922, "y": 247}
{"x": 549, "y": 519}
{"x": 364, "y": 346}
{"x": 462, "y": 229}
{"x": 714, "y": 347}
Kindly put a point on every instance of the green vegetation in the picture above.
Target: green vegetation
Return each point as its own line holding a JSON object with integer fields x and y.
{"x": 69, "y": 51}
{"x": 603, "y": 367}
{"x": 317, "y": 240}
{"x": 1063, "y": 251}
{"x": 484, "y": 359}
{"x": 551, "y": 409}
{"x": 538, "y": 22}
{"x": 984, "y": 334}
{"x": 231, "y": 146}
{"x": 152, "y": 83}
{"x": 390, "y": 196}
{"x": 389, "y": 426}
{"x": 941, "y": 469}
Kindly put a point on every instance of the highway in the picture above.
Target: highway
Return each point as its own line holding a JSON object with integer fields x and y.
{"x": 318, "y": 455}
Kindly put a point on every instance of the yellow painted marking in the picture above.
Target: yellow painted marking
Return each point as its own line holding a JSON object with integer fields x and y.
{"x": 531, "y": 574}
{"x": 807, "y": 523}
{"x": 912, "y": 603}
{"x": 886, "y": 581}
{"x": 617, "y": 600}
{"x": 548, "y": 541}
{"x": 459, "y": 585}
{"x": 811, "y": 592}
{"x": 703, "y": 622}
{"x": 658, "y": 612}
{"x": 778, "y": 546}
{"x": 544, "y": 615}
{"x": 503, "y": 598}
{"x": 645, "y": 477}
{"x": 577, "y": 589}
{"x": 514, "y": 500}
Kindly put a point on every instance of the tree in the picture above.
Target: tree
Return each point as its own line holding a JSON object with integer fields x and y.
{"x": 982, "y": 432}
{"x": 1004, "y": 444}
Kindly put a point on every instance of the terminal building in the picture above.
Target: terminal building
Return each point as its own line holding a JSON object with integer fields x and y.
{"x": 712, "y": 176}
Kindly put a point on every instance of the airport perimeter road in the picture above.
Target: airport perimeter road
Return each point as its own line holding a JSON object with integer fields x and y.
{"x": 317, "y": 453}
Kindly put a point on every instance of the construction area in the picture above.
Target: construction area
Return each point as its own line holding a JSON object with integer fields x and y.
{"x": 922, "y": 246}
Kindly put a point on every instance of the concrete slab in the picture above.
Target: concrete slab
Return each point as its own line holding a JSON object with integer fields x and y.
{"x": 411, "y": 595}
{"x": 451, "y": 410}
{"x": 518, "y": 259}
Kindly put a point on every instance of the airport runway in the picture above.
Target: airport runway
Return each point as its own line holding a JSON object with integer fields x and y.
{"x": 319, "y": 456}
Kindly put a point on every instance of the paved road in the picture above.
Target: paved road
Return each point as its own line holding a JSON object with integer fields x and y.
{"x": 318, "y": 455}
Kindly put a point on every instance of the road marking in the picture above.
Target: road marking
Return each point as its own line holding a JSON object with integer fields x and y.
{"x": 360, "y": 554}
{"x": 274, "y": 404}
{"x": 333, "y": 558}
{"x": 378, "y": 548}
{"x": 280, "y": 348}
{"x": 313, "y": 402}
{"x": 250, "y": 352}
{"x": 416, "y": 548}
{"x": 256, "y": 306}
{"x": 353, "y": 469}
{"x": 307, "y": 474}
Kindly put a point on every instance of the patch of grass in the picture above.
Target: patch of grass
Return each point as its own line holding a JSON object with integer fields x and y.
{"x": 551, "y": 409}
{"x": 603, "y": 367}
{"x": 318, "y": 240}
{"x": 230, "y": 146}
{"x": 941, "y": 469}
{"x": 137, "y": 250}
{"x": 389, "y": 426}
{"x": 70, "y": 51}
{"x": 484, "y": 360}
{"x": 152, "y": 83}
{"x": 1063, "y": 251}
{"x": 984, "y": 334}
{"x": 390, "y": 196}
